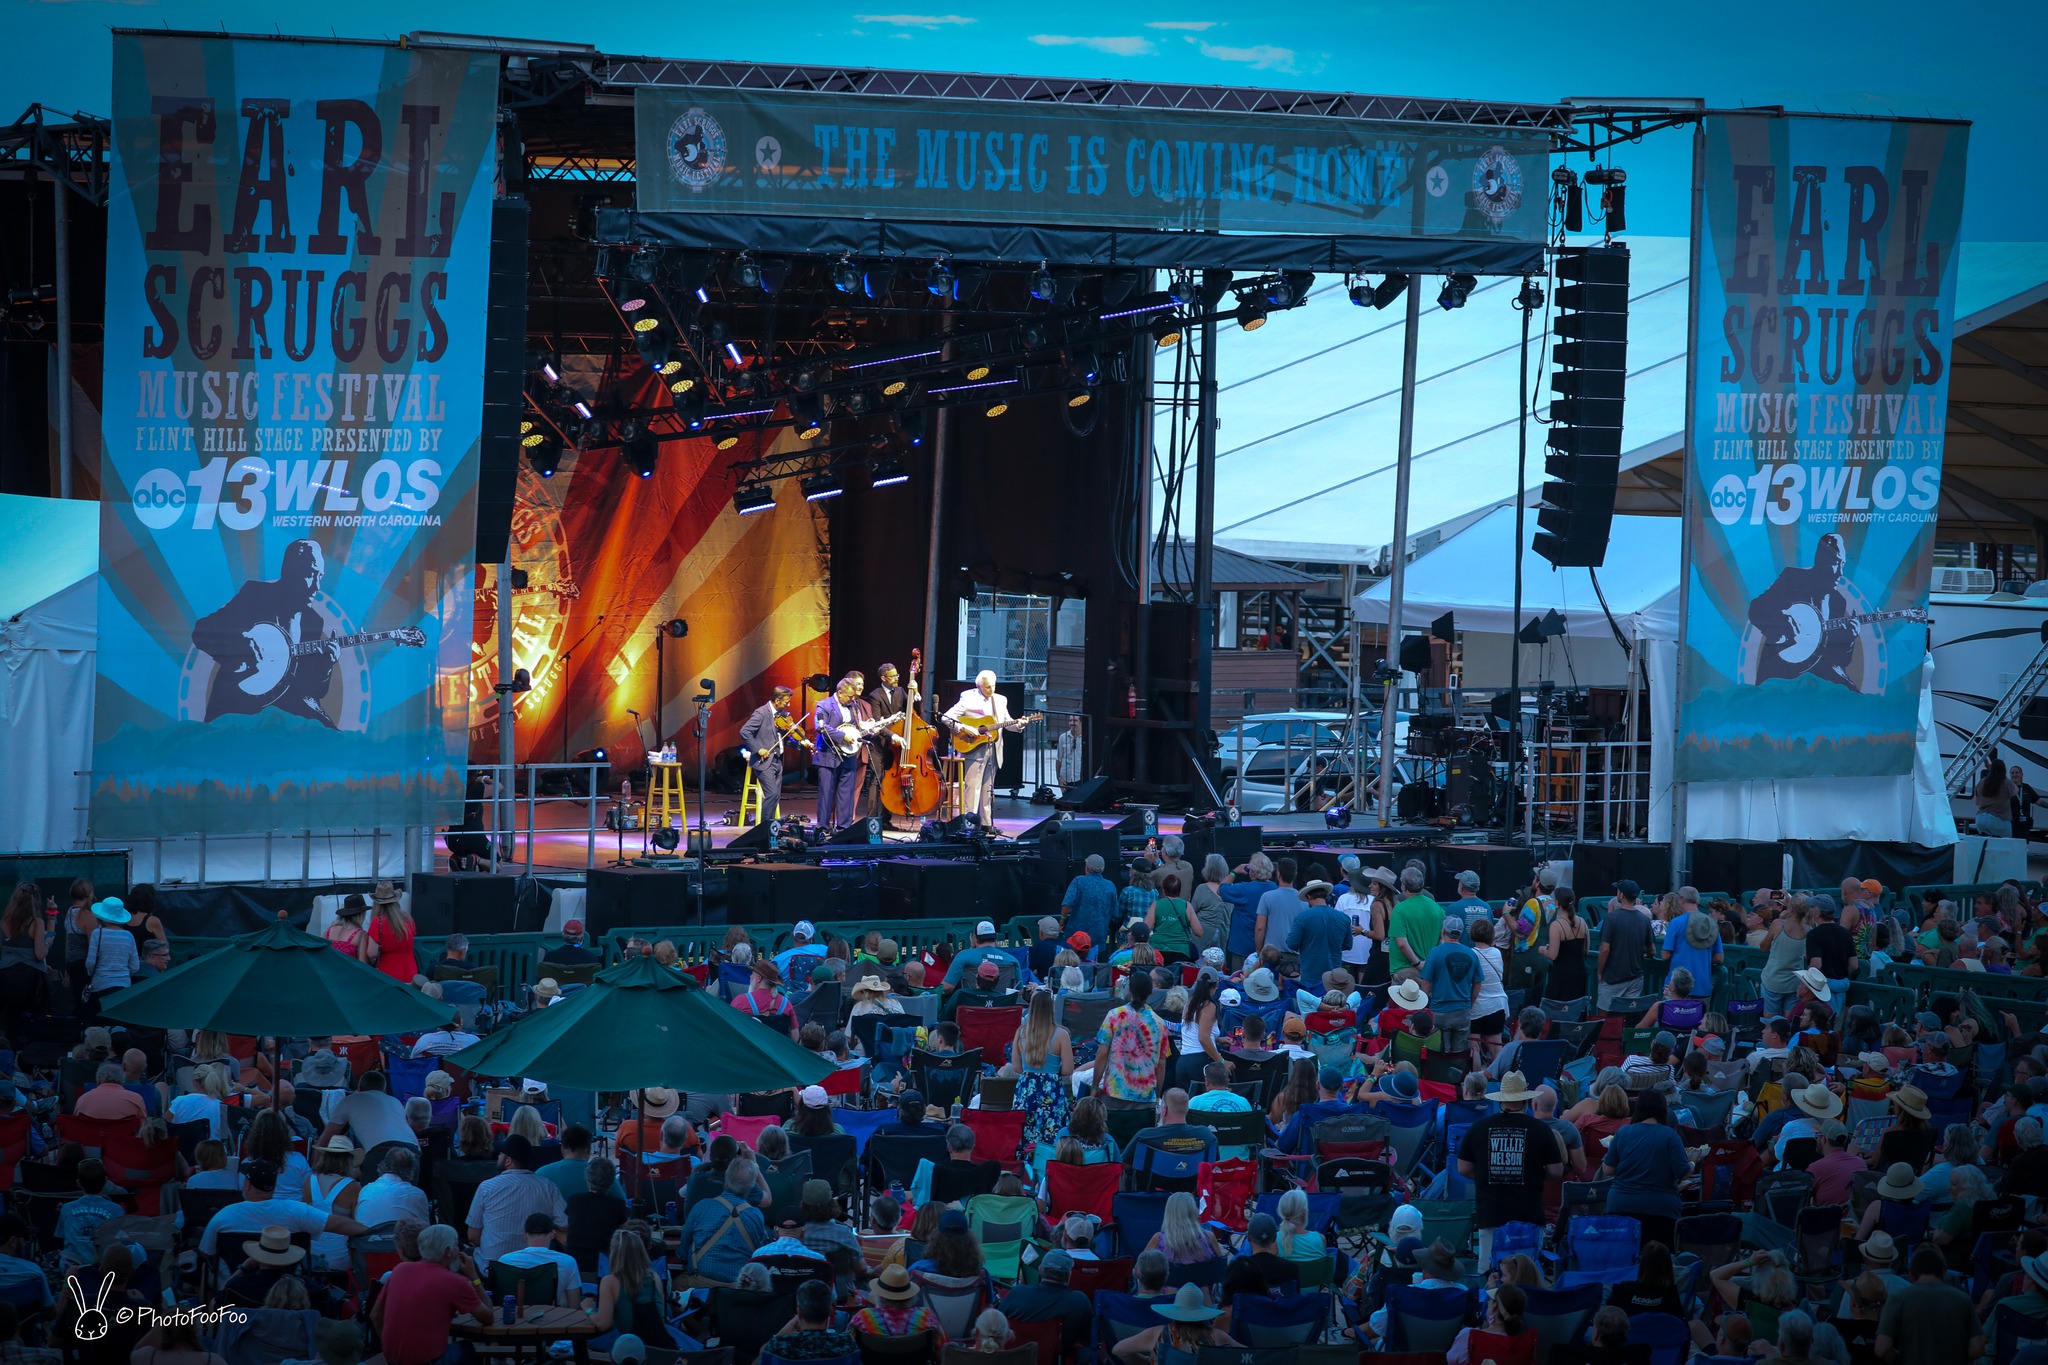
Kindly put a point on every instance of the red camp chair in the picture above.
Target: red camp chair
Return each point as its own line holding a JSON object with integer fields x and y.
{"x": 364, "y": 1055}
{"x": 1225, "y": 1189}
{"x": 988, "y": 1027}
{"x": 747, "y": 1128}
{"x": 1330, "y": 1021}
{"x": 998, "y": 1133}
{"x": 847, "y": 1080}
{"x": 1046, "y": 1337}
{"x": 90, "y": 1133}
{"x": 1089, "y": 1276}
{"x": 141, "y": 1168}
{"x": 1082, "y": 1189}
{"x": 1743, "y": 1164}
{"x": 14, "y": 1130}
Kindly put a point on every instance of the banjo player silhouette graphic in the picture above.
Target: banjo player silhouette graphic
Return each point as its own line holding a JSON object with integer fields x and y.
{"x": 1807, "y": 621}
{"x": 270, "y": 645}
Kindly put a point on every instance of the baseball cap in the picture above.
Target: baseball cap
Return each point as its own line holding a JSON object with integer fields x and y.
{"x": 805, "y": 929}
{"x": 572, "y": 928}
{"x": 1230, "y": 997}
{"x": 988, "y": 970}
{"x": 1927, "y": 1019}
{"x": 1627, "y": 887}
{"x": 1663, "y": 1036}
{"x": 1330, "y": 1077}
{"x": 814, "y": 1097}
{"x": 1262, "y": 1227}
{"x": 1213, "y": 956}
{"x": 1834, "y": 1130}
{"x": 260, "y": 1173}
{"x": 1056, "y": 1261}
{"x": 1714, "y": 1047}
{"x": 985, "y": 929}
{"x": 1468, "y": 878}
{"x": 953, "y": 1220}
{"x": 1406, "y": 1223}
{"x": 1079, "y": 941}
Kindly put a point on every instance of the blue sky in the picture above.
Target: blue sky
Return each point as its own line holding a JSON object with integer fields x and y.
{"x": 1979, "y": 60}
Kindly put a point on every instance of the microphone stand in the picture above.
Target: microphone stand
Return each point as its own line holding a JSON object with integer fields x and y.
{"x": 562, "y": 668}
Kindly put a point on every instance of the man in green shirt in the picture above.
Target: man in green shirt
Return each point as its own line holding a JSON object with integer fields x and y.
{"x": 1415, "y": 925}
{"x": 1930, "y": 1321}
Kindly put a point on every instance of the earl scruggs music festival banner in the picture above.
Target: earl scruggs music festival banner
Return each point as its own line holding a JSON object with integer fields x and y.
{"x": 781, "y": 152}
{"x": 298, "y": 241}
{"x": 1823, "y": 306}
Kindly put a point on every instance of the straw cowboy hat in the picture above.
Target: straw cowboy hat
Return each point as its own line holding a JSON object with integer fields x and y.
{"x": 274, "y": 1247}
{"x": 1879, "y": 1248}
{"x": 1188, "y": 1306}
{"x": 547, "y": 988}
{"x": 658, "y": 1102}
{"x": 1513, "y": 1090}
{"x": 1811, "y": 978}
{"x": 894, "y": 1283}
{"x": 1409, "y": 994}
{"x": 1899, "y": 1183}
{"x": 2036, "y": 1269}
{"x": 870, "y": 985}
{"x": 1383, "y": 875}
{"x": 384, "y": 893}
{"x": 1817, "y": 1102}
{"x": 1912, "y": 1099}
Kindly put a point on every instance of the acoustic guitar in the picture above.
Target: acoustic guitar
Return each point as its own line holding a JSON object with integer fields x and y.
{"x": 972, "y": 732}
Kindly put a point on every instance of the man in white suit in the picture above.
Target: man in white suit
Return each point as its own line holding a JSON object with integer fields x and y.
{"x": 980, "y": 703}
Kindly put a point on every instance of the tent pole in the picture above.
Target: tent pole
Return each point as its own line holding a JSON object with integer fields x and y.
{"x": 1398, "y": 560}
{"x": 1514, "y": 746}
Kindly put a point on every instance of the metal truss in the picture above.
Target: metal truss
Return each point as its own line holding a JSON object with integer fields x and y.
{"x": 72, "y": 148}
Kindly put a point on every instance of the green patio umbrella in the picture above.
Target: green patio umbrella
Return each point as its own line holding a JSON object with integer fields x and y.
{"x": 278, "y": 981}
{"x": 641, "y": 1024}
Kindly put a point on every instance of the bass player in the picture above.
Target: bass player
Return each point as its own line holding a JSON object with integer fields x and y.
{"x": 982, "y": 707}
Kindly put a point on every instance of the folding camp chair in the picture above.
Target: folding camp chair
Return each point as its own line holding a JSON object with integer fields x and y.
{"x": 998, "y": 1134}
{"x": 1225, "y": 1190}
{"x": 1082, "y": 1189}
{"x": 1263, "y": 1324}
{"x": 988, "y": 1029}
{"x": 1426, "y": 1319}
{"x": 1603, "y": 1246}
{"x": 1138, "y": 1217}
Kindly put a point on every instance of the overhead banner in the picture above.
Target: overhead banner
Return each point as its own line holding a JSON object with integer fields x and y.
{"x": 1822, "y": 311}
{"x": 988, "y": 161}
{"x": 298, "y": 243}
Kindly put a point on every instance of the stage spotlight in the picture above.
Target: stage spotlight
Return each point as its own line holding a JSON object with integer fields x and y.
{"x": 682, "y": 384}
{"x": 1457, "y": 288}
{"x": 741, "y": 381}
{"x": 997, "y": 406}
{"x": 1081, "y": 398}
{"x": 582, "y": 409}
{"x": 889, "y": 471}
{"x": 1089, "y": 364}
{"x": 822, "y": 485}
{"x": 894, "y": 387}
{"x": 528, "y": 436}
{"x": 940, "y": 280}
{"x": 728, "y": 441}
{"x": 858, "y": 402}
{"x": 808, "y": 410}
{"x": 633, "y": 298}
{"x": 1337, "y": 817}
{"x": 1290, "y": 289}
{"x": 1567, "y": 182}
{"x": 545, "y": 457}
{"x": 644, "y": 324}
{"x": 878, "y": 280}
{"x": 1531, "y": 296}
{"x": 846, "y": 275}
{"x": 1166, "y": 332}
{"x": 977, "y": 371}
{"x": 1044, "y": 287}
{"x": 912, "y": 425}
{"x": 753, "y": 497}
{"x": 732, "y": 353}
{"x": 1360, "y": 292}
{"x": 641, "y": 453}
{"x": 1251, "y": 314}
{"x": 747, "y": 270}
{"x": 1388, "y": 289}
{"x": 691, "y": 408}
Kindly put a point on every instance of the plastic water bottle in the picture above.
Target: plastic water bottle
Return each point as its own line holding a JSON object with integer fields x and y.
{"x": 668, "y": 1212}
{"x": 508, "y": 1311}
{"x": 896, "y": 1192}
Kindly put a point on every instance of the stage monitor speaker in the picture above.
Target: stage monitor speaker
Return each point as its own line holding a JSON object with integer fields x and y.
{"x": 1503, "y": 869}
{"x": 755, "y": 837}
{"x": 866, "y": 831}
{"x": 1010, "y": 771}
{"x": 504, "y": 386}
{"x": 928, "y": 888}
{"x": 1597, "y": 867}
{"x": 1139, "y": 819}
{"x": 1235, "y": 842}
{"x": 1044, "y": 827}
{"x": 638, "y": 898}
{"x": 1093, "y": 794}
{"x": 1077, "y": 839}
{"x": 775, "y": 893}
{"x": 472, "y": 903}
{"x": 1737, "y": 866}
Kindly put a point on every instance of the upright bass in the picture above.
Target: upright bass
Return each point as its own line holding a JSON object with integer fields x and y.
{"x": 912, "y": 786}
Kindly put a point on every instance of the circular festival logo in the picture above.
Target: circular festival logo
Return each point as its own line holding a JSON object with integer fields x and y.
{"x": 1497, "y": 185}
{"x": 696, "y": 149}
{"x": 540, "y": 610}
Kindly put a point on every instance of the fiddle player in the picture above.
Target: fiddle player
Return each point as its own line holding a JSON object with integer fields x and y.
{"x": 887, "y": 698}
{"x": 761, "y": 741}
{"x": 983, "y": 702}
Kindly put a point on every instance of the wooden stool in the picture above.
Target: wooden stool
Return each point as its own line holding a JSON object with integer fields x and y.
{"x": 665, "y": 801}
{"x": 750, "y": 801}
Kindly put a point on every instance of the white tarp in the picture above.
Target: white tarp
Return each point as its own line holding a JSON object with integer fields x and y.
{"x": 49, "y": 629}
{"x": 1472, "y": 574}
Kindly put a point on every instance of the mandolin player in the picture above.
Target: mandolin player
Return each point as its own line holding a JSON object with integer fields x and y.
{"x": 982, "y": 708}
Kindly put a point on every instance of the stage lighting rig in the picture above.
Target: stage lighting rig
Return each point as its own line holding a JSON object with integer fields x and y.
{"x": 1166, "y": 332}
{"x": 642, "y": 453}
{"x": 1044, "y": 287}
{"x": 808, "y": 412}
{"x": 1573, "y": 195}
{"x": 846, "y": 276}
{"x": 822, "y": 485}
{"x": 1389, "y": 289}
{"x": 1290, "y": 288}
{"x": 1613, "y": 183}
{"x": 753, "y": 497}
{"x": 1251, "y": 314}
{"x": 889, "y": 471}
{"x": 747, "y": 270}
{"x": 940, "y": 280}
{"x": 1457, "y": 288}
{"x": 545, "y": 456}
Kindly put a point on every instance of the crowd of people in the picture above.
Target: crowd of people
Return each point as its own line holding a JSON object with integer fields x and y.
{"x": 1685, "y": 1101}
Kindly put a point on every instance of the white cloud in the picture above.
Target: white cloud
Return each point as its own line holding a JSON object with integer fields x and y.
{"x": 1184, "y": 25}
{"x": 1115, "y": 47}
{"x": 1263, "y": 57}
{"x": 916, "y": 20}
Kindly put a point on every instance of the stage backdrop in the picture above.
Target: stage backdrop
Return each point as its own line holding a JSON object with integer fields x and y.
{"x": 297, "y": 249}
{"x": 1822, "y": 309}
{"x": 609, "y": 557}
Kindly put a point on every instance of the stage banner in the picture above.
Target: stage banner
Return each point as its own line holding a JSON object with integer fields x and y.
{"x": 853, "y": 156}
{"x": 1822, "y": 310}
{"x": 298, "y": 242}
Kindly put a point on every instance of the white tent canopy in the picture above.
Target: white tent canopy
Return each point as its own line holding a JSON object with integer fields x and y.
{"x": 1472, "y": 575}
{"x": 49, "y": 631}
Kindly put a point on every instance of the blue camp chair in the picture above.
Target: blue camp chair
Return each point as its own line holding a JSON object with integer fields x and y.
{"x": 1426, "y": 1319}
{"x": 1603, "y": 1246}
{"x": 1669, "y": 1338}
{"x": 1263, "y": 1324}
{"x": 1138, "y": 1217}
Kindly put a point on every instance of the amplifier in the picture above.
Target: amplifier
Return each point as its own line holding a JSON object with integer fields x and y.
{"x": 1597, "y": 867}
{"x": 1737, "y": 866}
{"x": 469, "y": 903}
{"x": 775, "y": 893}
{"x": 1503, "y": 868}
{"x": 638, "y": 898}
{"x": 928, "y": 888}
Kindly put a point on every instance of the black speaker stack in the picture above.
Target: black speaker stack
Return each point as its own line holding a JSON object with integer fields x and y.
{"x": 928, "y": 888}
{"x": 504, "y": 384}
{"x": 776, "y": 893}
{"x": 1597, "y": 867}
{"x": 473, "y": 903}
{"x": 638, "y": 898}
{"x": 1503, "y": 868}
{"x": 1737, "y": 866}
{"x": 1235, "y": 842}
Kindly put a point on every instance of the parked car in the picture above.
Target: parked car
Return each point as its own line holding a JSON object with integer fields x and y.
{"x": 1302, "y": 731}
{"x": 1315, "y": 779}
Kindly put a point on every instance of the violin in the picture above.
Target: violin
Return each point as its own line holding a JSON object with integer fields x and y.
{"x": 913, "y": 786}
{"x": 789, "y": 728}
